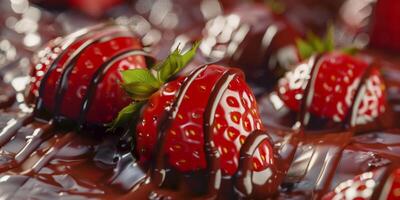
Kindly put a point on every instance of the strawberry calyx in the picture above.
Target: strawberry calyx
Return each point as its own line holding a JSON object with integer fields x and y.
{"x": 313, "y": 44}
{"x": 140, "y": 84}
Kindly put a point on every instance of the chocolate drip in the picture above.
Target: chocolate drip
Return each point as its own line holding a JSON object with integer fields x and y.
{"x": 211, "y": 152}
{"x": 269, "y": 178}
{"x": 349, "y": 118}
{"x": 304, "y": 116}
{"x": 98, "y": 77}
{"x": 158, "y": 174}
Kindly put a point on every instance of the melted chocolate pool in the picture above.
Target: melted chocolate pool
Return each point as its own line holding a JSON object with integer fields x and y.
{"x": 41, "y": 162}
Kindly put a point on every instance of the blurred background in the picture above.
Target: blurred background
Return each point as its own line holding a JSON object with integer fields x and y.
{"x": 237, "y": 32}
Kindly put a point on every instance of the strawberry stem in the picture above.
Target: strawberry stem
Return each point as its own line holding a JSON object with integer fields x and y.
{"x": 140, "y": 84}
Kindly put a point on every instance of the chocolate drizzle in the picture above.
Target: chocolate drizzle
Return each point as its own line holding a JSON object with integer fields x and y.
{"x": 245, "y": 174}
{"x": 97, "y": 78}
{"x": 69, "y": 40}
{"x": 159, "y": 171}
{"x": 304, "y": 116}
{"x": 213, "y": 171}
{"x": 69, "y": 66}
{"x": 348, "y": 122}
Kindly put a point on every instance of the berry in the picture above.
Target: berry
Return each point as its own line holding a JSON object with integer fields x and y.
{"x": 236, "y": 117}
{"x": 335, "y": 83}
{"x": 188, "y": 120}
{"x": 64, "y": 72}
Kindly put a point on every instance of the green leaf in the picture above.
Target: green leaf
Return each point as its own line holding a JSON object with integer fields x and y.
{"x": 140, "y": 75}
{"x": 314, "y": 44}
{"x": 350, "y": 50}
{"x": 304, "y": 48}
{"x": 174, "y": 63}
{"x": 139, "y": 90}
{"x": 125, "y": 116}
{"x": 330, "y": 38}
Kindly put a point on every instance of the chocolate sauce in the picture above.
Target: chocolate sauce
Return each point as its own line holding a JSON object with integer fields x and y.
{"x": 74, "y": 165}
{"x": 318, "y": 165}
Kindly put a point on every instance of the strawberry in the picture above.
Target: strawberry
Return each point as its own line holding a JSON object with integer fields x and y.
{"x": 64, "y": 72}
{"x": 178, "y": 110}
{"x": 331, "y": 84}
{"x": 385, "y": 32}
{"x": 360, "y": 187}
{"x": 334, "y": 88}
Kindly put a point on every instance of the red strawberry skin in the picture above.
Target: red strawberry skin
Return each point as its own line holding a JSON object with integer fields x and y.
{"x": 334, "y": 87}
{"x": 109, "y": 97}
{"x": 385, "y": 29}
{"x": 236, "y": 117}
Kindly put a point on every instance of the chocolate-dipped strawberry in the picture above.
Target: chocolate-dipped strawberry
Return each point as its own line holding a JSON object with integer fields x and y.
{"x": 200, "y": 123}
{"x": 334, "y": 98}
{"x": 343, "y": 87}
{"x": 76, "y": 77}
{"x": 262, "y": 44}
{"x": 332, "y": 87}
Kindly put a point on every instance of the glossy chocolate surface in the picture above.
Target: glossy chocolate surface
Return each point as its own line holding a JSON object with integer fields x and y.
{"x": 41, "y": 161}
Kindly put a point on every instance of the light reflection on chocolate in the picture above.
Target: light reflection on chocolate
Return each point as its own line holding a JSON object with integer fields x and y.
{"x": 39, "y": 162}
